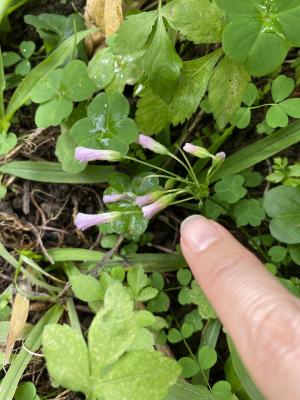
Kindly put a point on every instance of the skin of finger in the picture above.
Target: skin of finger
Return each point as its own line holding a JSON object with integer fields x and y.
{"x": 260, "y": 315}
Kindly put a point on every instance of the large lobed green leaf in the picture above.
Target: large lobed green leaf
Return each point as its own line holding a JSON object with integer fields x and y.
{"x": 282, "y": 204}
{"x": 200, "y": 21}
{"x": 153, "y": 114}
{"x": 227, "y": 86}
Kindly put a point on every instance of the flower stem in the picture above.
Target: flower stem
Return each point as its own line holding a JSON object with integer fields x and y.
{"x": 171, "y": 174}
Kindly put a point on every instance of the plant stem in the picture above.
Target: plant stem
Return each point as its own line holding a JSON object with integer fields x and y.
{"x": 171, "y": 174}
{"x": 72, "y": 313}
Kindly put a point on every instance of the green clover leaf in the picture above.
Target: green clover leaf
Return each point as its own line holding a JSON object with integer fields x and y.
{"x": 57, "y": 91}
{"x": 249, "y": 212}
{"x": 230, "y": 189}
{"x": 107, "y": 125}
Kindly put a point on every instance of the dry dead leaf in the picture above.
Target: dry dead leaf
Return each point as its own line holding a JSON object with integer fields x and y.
{"x": 104, "y": 14}
{"x": 19, "y": 315}
{"x": 113, "y": 16}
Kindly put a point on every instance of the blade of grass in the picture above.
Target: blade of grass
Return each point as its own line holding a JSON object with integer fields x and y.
{"x": 260, "y": 151}
{"x": 4, "y": 5}
{"x": 242, "y": 374}
{"x": 10, "y": 382}
{"x": 186, "y": 391}
{"x": 22, "y": 93}
{"x": 51, "y": 172}
{"x": 150, "y": 262}
{"x": 2, "y": 87}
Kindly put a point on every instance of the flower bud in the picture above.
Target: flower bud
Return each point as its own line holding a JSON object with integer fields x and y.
{"x": 114, "y": 198}
{"x": 154, "y": 208}
{"x": 84, "y": 154}
{"x": 85, "y": 221}
{"x": 196, "y": 151}
{"x": 149, "y": 198}
{"x": 150, "y": 144}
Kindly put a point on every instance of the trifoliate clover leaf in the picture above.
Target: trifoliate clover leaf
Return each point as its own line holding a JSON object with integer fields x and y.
{"x": 241, "y": 118}
{"x": 282, "y": 87}
{"x": 194, "y": 318}
{"x": 57, "y": 91}
{"x": 184, "y": 276}
{"x": 7, "y": 143}
{"x": 291, "y": 107}
{"x": 252, "y": 178}
{"x": 27, "y": 48}
{"x": 277, "y": 253}
{"x": 174, "y": 336}
{"x": 250, "y": 94}
{"x": 160, "y": 304}
{"x": 10, "y": 58}
{"x": 162, "y": 64}
{"x": 198, "y": 298}
{"x": 277, "y": 117}
{"x": 230, "y": 189}
{"x": 207, "y": 357}
{"x": 107, "y": 125}
{"x": 189, "y": 366}
{"x": 153, "y": 114}
{"x": 262, "y": 32}
{"x": 249, "y": 212}
{"x": 199, "y": 21}
{"x": 112, "y": 72}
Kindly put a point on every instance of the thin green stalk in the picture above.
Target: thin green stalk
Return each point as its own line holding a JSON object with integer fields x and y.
{"x": 188, "y": 164}
{"x": 171, "y": 174}
{"x": 73, "y": 316}
{"x": 190, "y": 171}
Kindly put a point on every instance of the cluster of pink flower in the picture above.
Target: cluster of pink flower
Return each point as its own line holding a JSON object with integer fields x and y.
{"x": 151, "y": 203}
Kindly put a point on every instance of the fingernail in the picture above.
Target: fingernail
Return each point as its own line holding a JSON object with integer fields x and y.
{"x": 198, "y": 233}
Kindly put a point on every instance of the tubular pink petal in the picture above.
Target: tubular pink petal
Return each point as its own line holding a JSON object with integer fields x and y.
{"x": 196, "y": 151}
{"x": 114, "y": 198}
{"x": 150, "y": 144}
{"x": 154, "y": 208}
{"x": 85, "y": 221}
{"x": 149, "y": 198}
{"x": 84, "y": 154}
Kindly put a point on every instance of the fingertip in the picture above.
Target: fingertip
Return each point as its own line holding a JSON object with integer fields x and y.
{"x": 198, "y": 233}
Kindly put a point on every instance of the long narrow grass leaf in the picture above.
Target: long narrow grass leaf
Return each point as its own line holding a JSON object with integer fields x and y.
{"x": 260, "y": 151}
{"x": 242, "y": 374}
{"x": 51, "y": 172}
{"x": 33, "y": 342}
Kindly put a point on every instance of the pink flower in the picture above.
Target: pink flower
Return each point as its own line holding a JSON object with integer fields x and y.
{"x": 196, "y": 151}
{"x": 150, "y": 144}
{"x": 85, "y": 221}
{"x": 154, "y": 208}
{"x": 142, "y": 201}
{"x": 114, "y": 198}
{"x": 84, "y": 154}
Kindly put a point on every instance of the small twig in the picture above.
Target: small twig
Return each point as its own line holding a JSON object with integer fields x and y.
{"x": 95, "y": 271}
{"x": 39, "y": 239}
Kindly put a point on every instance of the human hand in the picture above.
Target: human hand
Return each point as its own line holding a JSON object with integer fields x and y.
{"x": 260, "y": 315}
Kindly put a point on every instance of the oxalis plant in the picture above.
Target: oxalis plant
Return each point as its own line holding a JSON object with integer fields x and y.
{"x": 148, "y": 115}
{"x": 133, "y": 208}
